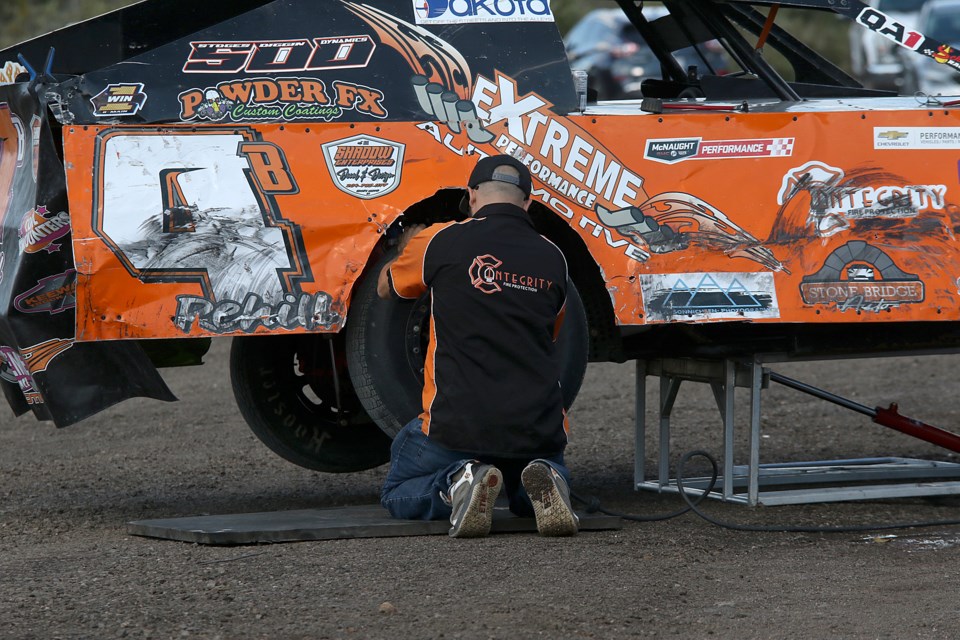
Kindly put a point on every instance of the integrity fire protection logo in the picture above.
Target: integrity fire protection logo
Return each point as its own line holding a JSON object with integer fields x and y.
{"x": 483, "y": 273}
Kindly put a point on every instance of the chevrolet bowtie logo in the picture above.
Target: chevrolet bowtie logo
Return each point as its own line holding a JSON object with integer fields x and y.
{"x": 892, "y": 135}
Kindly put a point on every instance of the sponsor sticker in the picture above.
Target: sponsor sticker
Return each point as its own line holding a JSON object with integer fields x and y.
{"x": 671, "y": 150}
{"x": 52, "y": 294}
{"x": 364, "y": 166}
{"x": 9, "y": 72}
{"x": 861, "y": 277}
{"x": 119, "y": 100}
{"x": 468, "y": 11}
{"x": 280, "y": 56}
{"x": 693, "y": 296}
{"x": 916, "y": 137}
{"x": 282, "y": 99}
{"x": 39, "y": 229}
{"x": 836, "y": 198}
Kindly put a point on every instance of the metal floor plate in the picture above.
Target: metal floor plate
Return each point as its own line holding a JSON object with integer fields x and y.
{"x": 364, "y": 521}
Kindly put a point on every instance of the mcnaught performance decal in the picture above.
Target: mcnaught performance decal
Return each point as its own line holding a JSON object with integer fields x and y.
{"x": 671, "y": 150}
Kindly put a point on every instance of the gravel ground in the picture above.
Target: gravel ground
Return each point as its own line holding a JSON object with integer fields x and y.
{"x": 69, "y": 570}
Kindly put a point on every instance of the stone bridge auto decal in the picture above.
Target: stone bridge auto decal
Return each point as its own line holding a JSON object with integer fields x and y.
{"x": 861, "y": 277}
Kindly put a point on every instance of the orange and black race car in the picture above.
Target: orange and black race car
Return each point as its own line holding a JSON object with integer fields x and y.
{"x": 174, "y": 172}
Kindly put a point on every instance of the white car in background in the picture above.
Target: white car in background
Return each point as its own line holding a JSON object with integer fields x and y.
{"x": 874, "y": 59}
{"x": 939, "y": 19}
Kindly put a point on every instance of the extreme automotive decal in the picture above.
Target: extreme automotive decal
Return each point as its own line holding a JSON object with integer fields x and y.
{"x": 364, "y": 166}
{"x": 707, "y": 296}
{"x": 577, "y": 172}
{"x": 214, "y": 222}
{"x": 280, "y": 99}
{"x": 465, "y": 11}
{"x": 673, "y": 150}
{"x": 916, "y": 138}
{"x": 836, "y": 198}
{"x": 119, "y": 100}
{"x": 280, "y": 56}
{"x": 860, "y": 277}
{"x": 9, "y": 72}
{"x": 52, "y": 294}
{"x": 39, "y": 229}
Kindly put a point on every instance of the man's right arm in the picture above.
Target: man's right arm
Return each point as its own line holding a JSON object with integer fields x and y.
{"x": 408, "y": 260}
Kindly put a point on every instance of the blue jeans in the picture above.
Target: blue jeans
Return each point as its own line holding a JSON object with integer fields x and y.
{"x": 420, "y": 472}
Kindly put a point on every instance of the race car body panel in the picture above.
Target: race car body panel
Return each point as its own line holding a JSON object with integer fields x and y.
{"x": 237, "y": 177}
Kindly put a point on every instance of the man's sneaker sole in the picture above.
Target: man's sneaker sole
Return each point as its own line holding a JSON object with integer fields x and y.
{"x": 477, "y": 518}
{"x": 554, "y": 516}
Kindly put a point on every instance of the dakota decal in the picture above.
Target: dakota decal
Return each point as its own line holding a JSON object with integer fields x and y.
{"x": 836, "y": 198}
{"x": 916, "y": 138}
{"x": 671, "y": 150}
{"x": 39, "y": 230}
{"x": 52, "y": 294}
{"x": 686, "y": 296}
{"x": 280, "y": 56}
{"x": 119, "y": 100}
{"x": 364, "y": 166}
{"x": 280, "y": 99}
{"x": 860, "y": 277}
{"x": 466, "y": 11}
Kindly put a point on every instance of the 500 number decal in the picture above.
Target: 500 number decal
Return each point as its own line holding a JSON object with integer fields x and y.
{"x": 280, "y": 56}
{"x": 200, "y": 208}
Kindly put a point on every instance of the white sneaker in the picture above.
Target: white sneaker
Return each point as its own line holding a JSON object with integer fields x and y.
{"x": 472, "y": 497}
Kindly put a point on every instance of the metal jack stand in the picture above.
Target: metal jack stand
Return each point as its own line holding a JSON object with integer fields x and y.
{"x": 770, "y": 484}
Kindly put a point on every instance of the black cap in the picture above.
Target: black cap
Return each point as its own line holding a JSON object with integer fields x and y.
{"x": 486, "y": 171}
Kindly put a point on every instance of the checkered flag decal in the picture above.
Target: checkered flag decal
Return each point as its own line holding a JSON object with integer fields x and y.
{"x": 781, "y": 147}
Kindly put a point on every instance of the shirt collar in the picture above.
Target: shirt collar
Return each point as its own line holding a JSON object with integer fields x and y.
{"x": 503, "y": 209}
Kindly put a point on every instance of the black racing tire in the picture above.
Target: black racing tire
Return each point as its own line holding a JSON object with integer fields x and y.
{"x": 386, "y": 344}
{"x": 284, "y": 387}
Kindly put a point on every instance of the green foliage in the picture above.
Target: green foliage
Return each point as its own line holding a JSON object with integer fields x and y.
{"x": 24, "y": 19}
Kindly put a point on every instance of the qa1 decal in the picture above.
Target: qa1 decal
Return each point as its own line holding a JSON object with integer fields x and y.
{"x": 837, "y": 198}
{"x": 280, "y": 56}
{"x": 860, "y": 277}
{"x": 282, "y": 99}
{"x": 364, "y": 166}
{"x": 53, "y": 294}
{"x": 214, "y": 222}
{"x": 705, "y": 296}
{"x": 117, "y": 100}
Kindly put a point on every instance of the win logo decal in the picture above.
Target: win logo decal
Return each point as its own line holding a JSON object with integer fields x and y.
{"x": 694, "y": 296}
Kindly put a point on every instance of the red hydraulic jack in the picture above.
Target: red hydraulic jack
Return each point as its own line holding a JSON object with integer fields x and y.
{"x": 888, "y": 417}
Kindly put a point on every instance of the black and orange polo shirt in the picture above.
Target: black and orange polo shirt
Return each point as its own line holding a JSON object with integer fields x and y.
{"x": 498, "y": 290}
